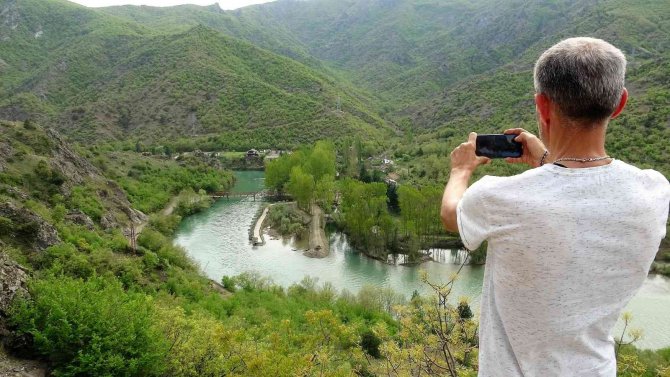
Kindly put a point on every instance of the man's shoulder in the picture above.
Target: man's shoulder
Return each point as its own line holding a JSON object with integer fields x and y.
{"x": 541, "y": 174}
{"x": 647, "y": 176}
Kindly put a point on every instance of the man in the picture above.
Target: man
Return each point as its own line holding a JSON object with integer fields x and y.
{"x": 569, "y": 242}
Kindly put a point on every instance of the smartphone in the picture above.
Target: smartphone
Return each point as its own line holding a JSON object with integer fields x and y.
{"x": 498, "y": 146}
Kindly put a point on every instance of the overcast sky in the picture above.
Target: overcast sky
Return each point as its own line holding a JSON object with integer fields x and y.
{"x": 225, "y": 4}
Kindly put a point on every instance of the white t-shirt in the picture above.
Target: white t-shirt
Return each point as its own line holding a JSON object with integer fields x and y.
{"x": 567, "y": 249}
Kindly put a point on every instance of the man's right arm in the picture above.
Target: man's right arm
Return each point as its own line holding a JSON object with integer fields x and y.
{"x": 464, "y": 161}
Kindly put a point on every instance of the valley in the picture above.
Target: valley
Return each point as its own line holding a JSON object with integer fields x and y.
{"x": 121, "y": 128}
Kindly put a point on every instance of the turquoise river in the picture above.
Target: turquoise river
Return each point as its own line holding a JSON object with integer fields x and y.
{"x": 217, "y": 240}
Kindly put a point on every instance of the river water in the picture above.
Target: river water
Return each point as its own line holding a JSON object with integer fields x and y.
{"x": 217, "y": 239}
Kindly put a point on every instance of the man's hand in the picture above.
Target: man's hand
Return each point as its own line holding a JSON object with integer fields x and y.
{"x": 533, "y": 148}
{"x": 463, "y": 157}
{"x": 463, "y": 162}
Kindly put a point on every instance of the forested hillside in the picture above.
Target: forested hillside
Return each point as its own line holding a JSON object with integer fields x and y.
{"x": 433, "y": 70}
{"x": 96, "y": 76}
{"x": 443, "y": 68}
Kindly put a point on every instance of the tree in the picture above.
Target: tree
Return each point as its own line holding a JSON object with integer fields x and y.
{"x": 324, "y": 192}
{"x": 301, "y": 187}
{"x": 321, "y": 161}
{"x": 278, "y": 172}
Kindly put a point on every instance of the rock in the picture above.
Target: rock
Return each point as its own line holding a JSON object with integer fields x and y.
{"x": 12, "y": 282}
{"x": 6, "y": 151}
{"x": 80, "y": 218}
{"x": 108, "y": 221}
{"x": 17, "y": 193}
{"x": 69, "y": 164}
{"x": 30, "y": 226}
{"x": 78, "y": 170}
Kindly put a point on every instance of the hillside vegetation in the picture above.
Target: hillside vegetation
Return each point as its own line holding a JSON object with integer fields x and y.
{"x": 99, "y": 76}
{"x": 429, "y": 70}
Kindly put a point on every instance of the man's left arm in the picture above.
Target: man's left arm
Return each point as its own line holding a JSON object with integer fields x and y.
{"x": 464, "y": 161}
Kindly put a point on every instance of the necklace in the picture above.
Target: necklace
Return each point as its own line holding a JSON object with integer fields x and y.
{"x": 582, "y": 160}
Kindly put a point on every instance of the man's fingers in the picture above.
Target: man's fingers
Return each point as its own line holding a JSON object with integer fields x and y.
{"x": 472, "y": 138}
{"x": 513, "y": 160}
{"x": 516, "y": 131}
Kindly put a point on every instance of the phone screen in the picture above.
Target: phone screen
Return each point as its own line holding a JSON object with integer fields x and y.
{"x": 498, "y": 146}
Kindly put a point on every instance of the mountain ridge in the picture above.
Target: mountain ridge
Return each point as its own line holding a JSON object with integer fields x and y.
{"x": 198, "y": 82}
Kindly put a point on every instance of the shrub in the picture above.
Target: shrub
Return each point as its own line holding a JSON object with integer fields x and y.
{"x": 91, "y": 327}
{"x": 370, "y": 344}
{"x": 165, "y": 224}
{"x": 163, "y": 247}
{"x": 6, "y": 225}
{"x": 191, "y": 202}
{"x": 228, "y": 283}
{"x": 87, "y": 201}
{"x": 65, "y": 259}
{"x": 150, "y": 260}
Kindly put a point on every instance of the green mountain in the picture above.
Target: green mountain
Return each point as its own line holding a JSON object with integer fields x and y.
{"x": 274, "y": 74}
{"x": 99, "y": 76}
{"x": 449, "y": 67}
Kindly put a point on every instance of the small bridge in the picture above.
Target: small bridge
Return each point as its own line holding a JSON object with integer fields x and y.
{"x": 228, "y": 195}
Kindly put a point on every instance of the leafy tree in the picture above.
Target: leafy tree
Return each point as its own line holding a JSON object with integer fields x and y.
{"x": 321, "y": 160}
{"x": 301, "y": 187}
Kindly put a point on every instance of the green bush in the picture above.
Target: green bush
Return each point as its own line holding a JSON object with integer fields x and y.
{"x": 165, "y": 224}
{"x": 150, "y": 260}
{"x": 228, "y": 283}
{"x": 370, "y": 343}
{"x": 65, "y": 259}
{"x": 151, "y": 239}
{"x": 86, "y": 200}
{"x": 285, "y": 219}
{"x": 163, "y": 247}
{"x": 90, "y": 328}
{"x": 191, "y": 202}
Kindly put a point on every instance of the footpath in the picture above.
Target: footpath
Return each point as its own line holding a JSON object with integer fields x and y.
{"x": 318, "y": 243}
{"x": 167, "y": 211}
{"x": 257, "y": 235}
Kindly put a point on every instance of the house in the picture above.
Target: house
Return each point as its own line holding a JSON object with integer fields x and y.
{"x": 252, "y": 153}
{"x": 272, "y": 155}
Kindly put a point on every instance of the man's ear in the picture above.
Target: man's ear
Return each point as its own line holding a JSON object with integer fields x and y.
{"x": 622, "y": 104}
{"x": 543, "y": 106}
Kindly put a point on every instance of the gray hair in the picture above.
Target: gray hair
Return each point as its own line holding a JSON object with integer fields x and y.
{"x": 583, "y": 76}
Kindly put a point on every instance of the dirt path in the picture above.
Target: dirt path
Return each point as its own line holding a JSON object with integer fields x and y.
{"x": 318, "y": 243}
{"x": 167, "y": 211}
{"x": 257, "y": 236}
{"x": 172, "y": 205}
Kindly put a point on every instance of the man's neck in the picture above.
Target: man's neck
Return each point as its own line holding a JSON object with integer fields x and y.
{"x": 572, "y": 141}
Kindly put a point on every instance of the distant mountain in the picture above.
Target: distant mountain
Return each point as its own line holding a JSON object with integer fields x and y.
{"x": 446, "y": 67}
{"x": 276, "y": 72}
{"x": 96, "y": 75}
